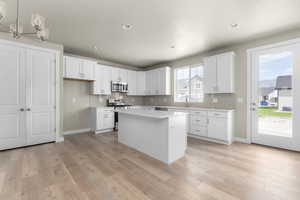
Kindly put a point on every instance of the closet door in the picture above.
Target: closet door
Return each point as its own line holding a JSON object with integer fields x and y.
{"x": 12, "y": 97}
{"x": 40, "y": 97}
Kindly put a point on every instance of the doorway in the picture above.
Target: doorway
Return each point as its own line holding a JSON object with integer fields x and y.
{"x": 273, "y": 95}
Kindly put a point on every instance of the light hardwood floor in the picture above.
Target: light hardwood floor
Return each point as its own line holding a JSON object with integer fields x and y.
{"x": 89, "y": 167}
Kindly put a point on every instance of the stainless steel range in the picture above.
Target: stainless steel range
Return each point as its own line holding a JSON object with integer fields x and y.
{"x": 117, "y": 104}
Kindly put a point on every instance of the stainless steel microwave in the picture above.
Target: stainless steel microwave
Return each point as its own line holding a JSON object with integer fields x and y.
{"x": 117, "y": 86}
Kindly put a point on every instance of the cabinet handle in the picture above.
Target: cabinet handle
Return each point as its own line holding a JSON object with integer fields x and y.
{"x": 207, "y": 121}
{"x": 28, "y": 109}
{"x": 22, "y": 109}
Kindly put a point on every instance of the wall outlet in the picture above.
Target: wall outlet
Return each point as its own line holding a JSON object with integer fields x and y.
{"x": 215, "y": 100}
{"x": 100, "y": 99}
{"x": 165, "y": 100}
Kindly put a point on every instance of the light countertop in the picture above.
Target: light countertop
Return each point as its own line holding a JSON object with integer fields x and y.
{"x": 188, "y": 108}
{"x": 150, "y": 113}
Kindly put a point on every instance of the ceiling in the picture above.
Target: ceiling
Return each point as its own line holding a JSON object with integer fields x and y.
{"x": 191, "y": 26}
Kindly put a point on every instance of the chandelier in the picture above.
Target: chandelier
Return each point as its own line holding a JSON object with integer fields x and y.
{"x": 37, "y": 22}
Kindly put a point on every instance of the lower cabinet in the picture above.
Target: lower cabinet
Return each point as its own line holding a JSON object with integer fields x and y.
{"x": 213, "y": 125}
{"x": 102, "y": 119}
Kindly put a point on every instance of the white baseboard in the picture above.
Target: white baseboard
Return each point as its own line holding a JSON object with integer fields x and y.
{"x": 208, "y": 139}
{"x": 77, "y": 131}
{"x": 103, "y": 131}
{"x": 60, "y": 139}
{"x": 241, "y": 140}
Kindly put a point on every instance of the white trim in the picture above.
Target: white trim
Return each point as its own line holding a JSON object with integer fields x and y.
{"x": 248, "y": 102}
{"x": 241, "y": 140}
{"x": 71, "y": 132}
{"x": 103, "y": 131}
{"x": 208, "y": 139}
{"x": 60, "y": 139}
{"x": 275, "y": 45}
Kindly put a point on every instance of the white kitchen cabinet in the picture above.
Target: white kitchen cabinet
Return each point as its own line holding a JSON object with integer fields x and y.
{"x": 210, "y": 75}
{"x": 77, "y": 68}
{"x": 115, "y": 74}
{"x": 209, "y": 124}
{"x": 123, "y": 73}
{"x": 148, "y": 83}
{"x": 158, "y": 81}
{"x": 164, "y": 81}
{"x": 102, "y": 119}
{"x": 219, "y": 126}
{"x": 140, "y": 83}
{"x": 219, "y": 73}
{"x": 102, "y": 83}
{"x": 27, "y": 96}
{"x": 132, "y": 83}
{"x": 119, "y": 74}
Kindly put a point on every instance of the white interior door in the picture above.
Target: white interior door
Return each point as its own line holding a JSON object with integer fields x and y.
{"x": 12, "y": 97}
{"x": 40, "y": 98}
{"x": 275, "y": 88}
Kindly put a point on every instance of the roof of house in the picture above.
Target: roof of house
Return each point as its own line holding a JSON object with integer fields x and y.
{"x": 265, "y": 91}
{"x": 284, "y": 82}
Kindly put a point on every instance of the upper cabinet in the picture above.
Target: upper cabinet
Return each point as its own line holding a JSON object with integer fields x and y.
{"x": 219, "y": 73}
{"x": 119, "y": 74}
{"x": 158, "y": 81}
{"x": 132, "y": 82}
{"x": 102, "y": 84}
{"x": 77, "y": 68}
{"x": 140, "y": 83}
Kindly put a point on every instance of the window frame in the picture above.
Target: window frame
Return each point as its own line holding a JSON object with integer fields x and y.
{"x": 190, "y": 82}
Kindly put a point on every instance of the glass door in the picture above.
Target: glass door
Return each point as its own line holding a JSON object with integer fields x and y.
{"x": 273, "y": 96}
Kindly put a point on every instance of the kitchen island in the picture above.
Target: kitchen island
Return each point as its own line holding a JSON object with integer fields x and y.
{"x": 159, "y": 134}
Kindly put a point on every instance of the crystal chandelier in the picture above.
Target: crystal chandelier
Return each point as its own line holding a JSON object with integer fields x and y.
{"x": 37, "y": 22}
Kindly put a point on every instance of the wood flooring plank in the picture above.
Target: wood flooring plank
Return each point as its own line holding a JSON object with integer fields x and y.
{"x": 90, "y": 167}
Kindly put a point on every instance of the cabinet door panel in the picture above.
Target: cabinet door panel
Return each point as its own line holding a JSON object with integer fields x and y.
{"x": 132, "y": 83}
{"x": 88, "y": 70}
{"x": 12, "y": 97}
{"x": 210, "y": 74}
{"x": 107, "y": 73}
{"x": 225, "y": 73}
{"x": 141, "y": 83}
{"x": 72, "y": 67}
{"x": 217, "y": 128}
{"x": 40, "y": 97}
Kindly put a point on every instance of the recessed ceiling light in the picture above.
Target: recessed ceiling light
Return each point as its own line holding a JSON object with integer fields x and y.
{"x": 234, "y": 25}
{"x": 127, "y": 26}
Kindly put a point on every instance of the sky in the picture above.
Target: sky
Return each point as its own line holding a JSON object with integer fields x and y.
{"x": 273, "y": 65}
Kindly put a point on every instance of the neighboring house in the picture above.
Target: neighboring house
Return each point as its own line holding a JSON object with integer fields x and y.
{"x": 182, "y": 88}
{"x": 268, "y": 94}
{"x": 284, "y": 90}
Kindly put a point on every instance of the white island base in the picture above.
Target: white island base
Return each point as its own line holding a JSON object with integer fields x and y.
{"x": 159, "y": 134}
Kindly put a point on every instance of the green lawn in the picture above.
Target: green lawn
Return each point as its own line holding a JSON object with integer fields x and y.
{"x": 264, "y": 112}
